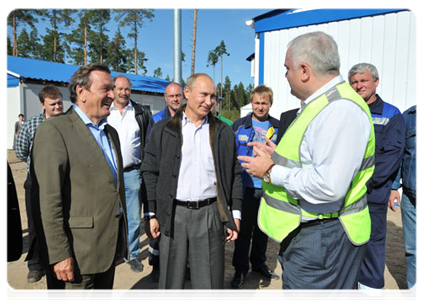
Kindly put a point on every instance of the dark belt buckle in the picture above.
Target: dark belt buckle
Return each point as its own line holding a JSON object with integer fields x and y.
{"x": 193, "y": 205}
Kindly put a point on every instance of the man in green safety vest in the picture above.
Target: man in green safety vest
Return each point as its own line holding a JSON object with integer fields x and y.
{"x": 314, "y": 180}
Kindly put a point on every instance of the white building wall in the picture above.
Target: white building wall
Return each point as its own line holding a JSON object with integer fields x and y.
{"x": 13, "y": 110}
{"x": 387, "y": 41}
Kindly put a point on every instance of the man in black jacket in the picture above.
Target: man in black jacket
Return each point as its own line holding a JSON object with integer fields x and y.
{"x": 194, "y": 190}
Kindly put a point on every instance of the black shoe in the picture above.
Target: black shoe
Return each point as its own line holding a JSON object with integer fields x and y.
{"x": 155, "y": 274}
{"x": 136, "y": 266}
{"x": 238, "y": 280}
{"x": 34, "y": 276}
{"x": 265, "y": 271}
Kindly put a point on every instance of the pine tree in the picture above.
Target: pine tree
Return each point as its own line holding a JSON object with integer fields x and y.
{"x": 135, "y": 19}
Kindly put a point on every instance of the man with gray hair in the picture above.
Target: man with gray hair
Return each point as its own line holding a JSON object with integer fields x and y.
{"x": 390, "y": 141}
{"x": 313, "y": 197}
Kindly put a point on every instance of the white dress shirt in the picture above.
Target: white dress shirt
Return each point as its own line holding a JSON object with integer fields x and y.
{"x": 331, "y": 154}
{"x": 197, "y": 175}
{"x": 128, "y": 130}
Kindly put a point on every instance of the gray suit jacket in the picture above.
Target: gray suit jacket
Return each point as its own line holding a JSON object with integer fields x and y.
{"x": 80, "y": 202}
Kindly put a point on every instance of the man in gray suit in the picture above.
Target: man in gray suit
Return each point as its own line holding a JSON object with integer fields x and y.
{"x": 78, "y": 170}
{"x": 194, "y": 189}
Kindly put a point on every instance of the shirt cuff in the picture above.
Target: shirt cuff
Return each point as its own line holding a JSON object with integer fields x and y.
{"x": 236, "y": 214}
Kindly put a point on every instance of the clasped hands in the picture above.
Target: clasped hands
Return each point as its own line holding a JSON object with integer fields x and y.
{"x": 261, "y": 162}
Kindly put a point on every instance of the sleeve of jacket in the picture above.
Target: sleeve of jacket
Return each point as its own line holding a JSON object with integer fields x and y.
{"x": 23, "y": 141}
{"x": 50, "y": 163}
{"x": 237, "y": 187}
{"x": 389, "y": 152}
{"x": 150, "y": 169}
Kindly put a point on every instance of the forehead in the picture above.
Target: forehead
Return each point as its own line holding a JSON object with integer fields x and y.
{"x": 173, "y": 88}
{"x": 50, "y": 99}
{"x": 366, "y": 74}
{"x": 100, "y": 78}
{"x": 264, "y": 98}
{"x": 122, "y": 82}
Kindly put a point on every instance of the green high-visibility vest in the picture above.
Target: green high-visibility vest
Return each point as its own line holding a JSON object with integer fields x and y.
{"x": 280, "y": 214}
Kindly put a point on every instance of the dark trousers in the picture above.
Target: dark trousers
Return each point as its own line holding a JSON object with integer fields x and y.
{"x": 91, "y": 281}
{"x": 250, "y": 232}
{"x": 34, "y": 264}
{"x": 373, "y": 268}
{"x": 198, "y": 233}
{"x": 320, "y": 257}
{"x": 153, "y": 252}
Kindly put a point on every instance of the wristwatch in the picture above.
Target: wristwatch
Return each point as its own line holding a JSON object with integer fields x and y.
{"x": 266, "y": 176}
{"x": 148, "y": 218}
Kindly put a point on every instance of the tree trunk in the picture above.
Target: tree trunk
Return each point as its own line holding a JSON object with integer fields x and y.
{"x": 136, "y": 48}
{"x": 194, "y": 34}
{"x": 221, "y": 75}
{"x": 15, "y": 40}
{"x": 85, "y": 39}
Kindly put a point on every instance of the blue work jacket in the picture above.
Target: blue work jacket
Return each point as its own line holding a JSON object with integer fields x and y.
{"x": 390, "y": 140}
{"x": 408, "y": 165}
{"x": 244, "y": 132}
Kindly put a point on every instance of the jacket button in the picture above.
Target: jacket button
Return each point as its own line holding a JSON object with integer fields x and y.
{"x": 177, "y": 156}
{"x": 170, "y": 196}
{"x": 167, "y": 232}
{"x": 168, "y": 214}
{"x": 174, "y": 175}
{"x": 117, "y": 216}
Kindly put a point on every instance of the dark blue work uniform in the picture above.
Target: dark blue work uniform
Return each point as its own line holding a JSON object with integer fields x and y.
{"x": 390, "y": 140}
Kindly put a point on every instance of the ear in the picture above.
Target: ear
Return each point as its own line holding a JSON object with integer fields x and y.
{"x": 377, "y": 82}
{"x": 186, "y": 92}
{"x": 305, "y": 72}
{"x": 79, "y": 92}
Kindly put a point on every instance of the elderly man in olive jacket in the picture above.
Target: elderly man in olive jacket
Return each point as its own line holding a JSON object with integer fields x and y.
{"x": 194, "y": 189}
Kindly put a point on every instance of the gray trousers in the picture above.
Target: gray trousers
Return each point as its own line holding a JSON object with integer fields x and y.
{"x": 320, "y": 257}
{"x": 199, "y": 234}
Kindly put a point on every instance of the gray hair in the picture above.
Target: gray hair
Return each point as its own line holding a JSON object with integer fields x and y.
{"x": 361, "y": 68}
{"x": 319, "y": 50}
{"x": 82, "y": 77}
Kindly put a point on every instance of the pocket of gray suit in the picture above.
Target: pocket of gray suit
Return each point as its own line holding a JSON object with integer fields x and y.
{"x": 81, "y": 222}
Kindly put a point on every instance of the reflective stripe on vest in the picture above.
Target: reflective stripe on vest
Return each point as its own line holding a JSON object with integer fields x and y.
{"x": 279, "y": 214}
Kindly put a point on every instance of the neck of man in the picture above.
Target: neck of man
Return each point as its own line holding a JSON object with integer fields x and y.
{"x": 260, "y": 119}
{"x": 121, "y": 105}
{"x": 194, "y": 118}
{"x": 171, "y": 111}
{"x": 371, "y": 99}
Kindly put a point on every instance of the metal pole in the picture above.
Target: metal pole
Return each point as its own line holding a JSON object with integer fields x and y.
{"x": 177, "y": 50}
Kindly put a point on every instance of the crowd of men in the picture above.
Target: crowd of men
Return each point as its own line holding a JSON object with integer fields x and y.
{"x": 318, "y": 180}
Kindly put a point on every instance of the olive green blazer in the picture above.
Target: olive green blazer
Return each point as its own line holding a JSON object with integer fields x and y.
{"x": 83, "y": 210}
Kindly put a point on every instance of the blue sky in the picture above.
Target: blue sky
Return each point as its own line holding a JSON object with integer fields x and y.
{"x": 213, "y": 26}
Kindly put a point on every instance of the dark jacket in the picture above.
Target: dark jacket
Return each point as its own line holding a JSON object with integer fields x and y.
{"x": 284, "y": 121}
{"x": 14, "y": 226}
{"x": 143, "y": 116}
{"x": 160, "y": 170}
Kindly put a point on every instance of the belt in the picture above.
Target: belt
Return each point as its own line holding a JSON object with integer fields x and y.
{"x": 195, "y": 204}
{"x": 317, "y": 222}
{"x": 132, "y": 167}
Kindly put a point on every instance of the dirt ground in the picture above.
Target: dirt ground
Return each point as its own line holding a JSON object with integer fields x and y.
{"x": 125, "y": 279}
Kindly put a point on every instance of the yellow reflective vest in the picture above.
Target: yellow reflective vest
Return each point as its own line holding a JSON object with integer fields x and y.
{"x": 280, "y": 214}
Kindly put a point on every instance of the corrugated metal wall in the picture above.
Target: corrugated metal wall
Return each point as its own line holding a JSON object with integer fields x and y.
{"x": 387, "y": 41}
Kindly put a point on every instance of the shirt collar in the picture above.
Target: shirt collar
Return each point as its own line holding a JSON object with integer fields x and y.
{"x": 87, "y": 120}
{"x": 128, "y": 107}
{"x": 185, "y": 120}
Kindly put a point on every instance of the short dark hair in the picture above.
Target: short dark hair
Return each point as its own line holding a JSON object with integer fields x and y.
{"x": 49, "y": 91}
{"x": 82, "y": 77}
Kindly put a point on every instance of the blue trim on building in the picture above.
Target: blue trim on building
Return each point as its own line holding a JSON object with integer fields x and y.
{"x": 12, "y": 81}
{"x": 277, "y": 20}
{"x": 261, "y": 62}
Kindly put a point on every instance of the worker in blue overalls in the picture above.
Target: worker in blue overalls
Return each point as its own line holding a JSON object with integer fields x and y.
{"x": 390, "y": 141}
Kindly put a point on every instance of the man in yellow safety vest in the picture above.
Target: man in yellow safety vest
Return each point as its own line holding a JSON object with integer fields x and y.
{"x": 314, "y": 189}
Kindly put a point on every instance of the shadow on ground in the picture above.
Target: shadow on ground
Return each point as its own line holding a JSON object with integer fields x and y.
{"x": 395, "y": 255}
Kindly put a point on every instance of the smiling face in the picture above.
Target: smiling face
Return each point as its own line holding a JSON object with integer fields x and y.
{"x": 122, "y": 91}
{"x": 95, "y": 101}
{"x": 201, "y": 98}
{"x": 365, "y": 86}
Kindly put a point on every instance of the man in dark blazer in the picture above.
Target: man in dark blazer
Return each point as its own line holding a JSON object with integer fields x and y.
{"x": 78, "y": 170}
{"x": 194, "y": 189}
{"x": 284, "y": 121}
